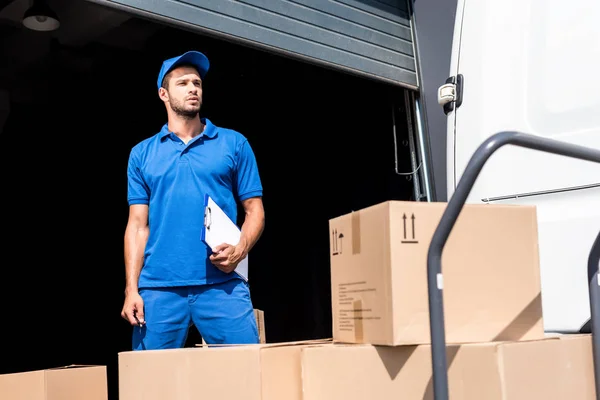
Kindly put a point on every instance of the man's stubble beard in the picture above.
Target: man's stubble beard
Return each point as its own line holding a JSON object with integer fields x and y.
{"x": 189, "y": 113}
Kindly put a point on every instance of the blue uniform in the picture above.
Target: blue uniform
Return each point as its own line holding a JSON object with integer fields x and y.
{"x": 172, "y": 178}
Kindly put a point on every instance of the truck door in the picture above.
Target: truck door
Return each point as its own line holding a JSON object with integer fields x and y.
{"x": 532, "y": 66}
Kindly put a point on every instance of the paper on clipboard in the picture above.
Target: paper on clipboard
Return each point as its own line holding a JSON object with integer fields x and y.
{"x": 219, "y": 228}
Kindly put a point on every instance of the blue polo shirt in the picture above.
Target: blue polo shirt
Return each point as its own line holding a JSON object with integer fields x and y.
{"x": 172, "y": 178}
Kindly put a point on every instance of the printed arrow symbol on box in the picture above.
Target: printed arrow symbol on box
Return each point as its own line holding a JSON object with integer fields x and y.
{"x": 334, "y": 238}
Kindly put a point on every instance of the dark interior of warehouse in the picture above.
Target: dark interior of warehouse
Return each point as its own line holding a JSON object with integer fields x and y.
{"x": 81, "y": 97}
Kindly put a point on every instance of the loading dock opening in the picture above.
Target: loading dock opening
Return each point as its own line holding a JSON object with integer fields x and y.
{"x": 325, "y": 141}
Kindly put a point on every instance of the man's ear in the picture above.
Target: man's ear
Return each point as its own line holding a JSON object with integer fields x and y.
{"x": 163, "y": 94}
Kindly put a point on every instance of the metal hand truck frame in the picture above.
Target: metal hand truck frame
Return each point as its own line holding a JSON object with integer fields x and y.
{"x": 449, "y": 217}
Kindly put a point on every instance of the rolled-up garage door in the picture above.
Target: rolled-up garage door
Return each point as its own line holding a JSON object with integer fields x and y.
{"x": 366, "y": 37}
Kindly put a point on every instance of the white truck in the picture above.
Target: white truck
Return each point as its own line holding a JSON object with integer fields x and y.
{"x": 533, "y": 71}
{"x": 528, "y": 68}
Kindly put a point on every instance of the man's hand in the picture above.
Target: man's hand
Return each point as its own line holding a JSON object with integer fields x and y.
{"x": 133, "y": 309}
{"x": 227, "y": 257}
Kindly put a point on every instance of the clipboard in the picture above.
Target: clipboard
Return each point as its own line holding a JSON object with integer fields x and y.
{"x": 219, "y": 228}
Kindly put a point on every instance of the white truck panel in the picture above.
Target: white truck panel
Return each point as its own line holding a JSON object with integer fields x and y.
{"x": 532, "y": 66}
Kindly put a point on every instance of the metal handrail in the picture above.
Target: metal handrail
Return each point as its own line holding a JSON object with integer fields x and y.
{"x": 449, "y": 217}
{"x": 594, "y": 286}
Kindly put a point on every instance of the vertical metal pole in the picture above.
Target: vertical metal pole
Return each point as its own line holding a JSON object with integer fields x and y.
{"x": 594, "y": 286}
{"x": 415, "y": 165}
{"x": 427, "y": 186}
{"x": 436, "y": 321}
{"x": 446, "y": 224}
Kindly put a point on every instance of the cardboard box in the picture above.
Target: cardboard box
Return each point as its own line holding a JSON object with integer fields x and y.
{"x": 260, "y": 322}
{"x": 490, "y": 264}
{"x": 221, "y": 372}
{"x": 73, "y": 382}
{"x": 558, "y": 368}
{"x": 550, "y": 369}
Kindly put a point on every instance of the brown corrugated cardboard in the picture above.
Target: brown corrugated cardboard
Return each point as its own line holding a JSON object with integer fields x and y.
{"x": 249, "y": 372}
{"x": 260, "y": 323}
{"x": 549, "y": 369}
{"x": 73, "y": 382}
{"x": 490, "y": 265}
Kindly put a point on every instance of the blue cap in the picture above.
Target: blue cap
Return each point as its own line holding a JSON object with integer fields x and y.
{"x": 197, "y": 59}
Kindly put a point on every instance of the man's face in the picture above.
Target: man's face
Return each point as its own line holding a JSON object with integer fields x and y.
{"x": 185, "y": 91}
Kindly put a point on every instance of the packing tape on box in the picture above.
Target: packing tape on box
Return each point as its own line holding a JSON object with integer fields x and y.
{"x": 355, "y": 233}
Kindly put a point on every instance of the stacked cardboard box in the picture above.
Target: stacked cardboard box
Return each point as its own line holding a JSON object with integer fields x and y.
{"x": 490, "y": 274}
{"x": 490, "y": 277}
{"x": 72, "y": 382}
{"x": 380, "y": 348}
{"x": 543, "y": 369}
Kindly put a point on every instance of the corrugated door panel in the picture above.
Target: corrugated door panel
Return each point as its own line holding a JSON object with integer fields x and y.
{"x": 371, "y": 37}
